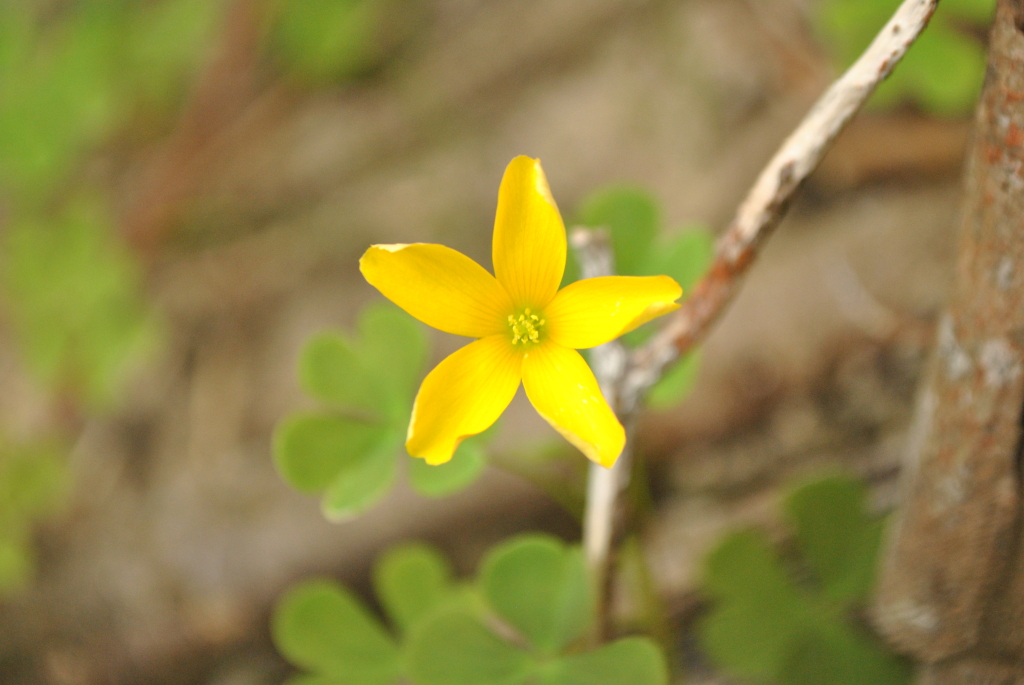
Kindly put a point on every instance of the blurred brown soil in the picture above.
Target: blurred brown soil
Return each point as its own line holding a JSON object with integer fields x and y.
{"x": 180, "y": 535}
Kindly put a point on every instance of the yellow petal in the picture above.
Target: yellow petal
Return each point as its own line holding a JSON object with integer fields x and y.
{"x": 441, "y": 287}
{"x": 564, "y": 391}
{"x": 463, "y": 396}
{"x": 595, "y": 310}
{"x": 529, "y": 237}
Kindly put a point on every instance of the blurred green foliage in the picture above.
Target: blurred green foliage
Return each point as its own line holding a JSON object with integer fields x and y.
{"x": 70, "y": 79}
{"x": 72, "y": 75}
{"x": 522, "y": 620}
{"x": 942, "y": 72}
{"x": 792, "y": 621}
{"x": 318, "y": 42}
{"x": 632, "y": 217}
{"x": 74, "y": 297}
{"x": 366, "y": 382}
{"x": 33, "y": 480}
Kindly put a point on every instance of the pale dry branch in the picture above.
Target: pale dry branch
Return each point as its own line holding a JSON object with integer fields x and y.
{"x": 625, "y": 378}
{"x": 768, "y": 200}
{"x": 605, "y": 486}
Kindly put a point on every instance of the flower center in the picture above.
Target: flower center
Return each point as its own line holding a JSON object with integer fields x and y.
{"x": 526, "y": 328}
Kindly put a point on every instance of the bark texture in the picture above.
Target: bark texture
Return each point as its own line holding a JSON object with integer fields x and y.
{"x": 952, "y": 585}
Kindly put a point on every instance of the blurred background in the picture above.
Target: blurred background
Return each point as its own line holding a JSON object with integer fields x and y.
{"x": 186, "y": 187}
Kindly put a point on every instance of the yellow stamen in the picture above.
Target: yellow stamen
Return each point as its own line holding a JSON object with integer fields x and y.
{"x": 526, "y": 327}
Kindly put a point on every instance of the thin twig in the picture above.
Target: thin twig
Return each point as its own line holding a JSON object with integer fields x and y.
{"x": 604, "y": 486}
{"x": 625, "y": 378}
{"x": 768, "y": 200}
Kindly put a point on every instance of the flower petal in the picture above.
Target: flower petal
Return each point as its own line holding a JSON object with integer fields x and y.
{"x": 564, "y": 391}
{"x": 529, "y": 237}
{"x": 441, "y": 287}
{"x": 463, "y": 396}
{"x": 595, "y": 310}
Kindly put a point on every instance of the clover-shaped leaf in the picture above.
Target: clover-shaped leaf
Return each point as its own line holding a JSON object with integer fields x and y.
{"x": 352, "y": 462}
{"x": 463, "y": 468}
{"x": 756, "y": 608}
{"x": 332, "y": 370}
{"x": 839, "y": 542}
{"x": 632, "y": 218}
{"x": 767, "y": 627}
{"x": 685, "y": 257}
{"x": 412, "y": 581}
{"x": 837, "y": 655}
{"x": 540, "y": 586}
{"x": 322, "y": 628}
{"x": 358, "y": 488}
{"x": 456, "y": 648}
{"x": 312, "y": 450}
{"x": 349, "y": 450}
{"x": 633, "y": 660}
{"x": 530, "y": 601}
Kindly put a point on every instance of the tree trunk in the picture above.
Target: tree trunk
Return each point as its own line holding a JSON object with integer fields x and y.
{"x": 951, "y": 591}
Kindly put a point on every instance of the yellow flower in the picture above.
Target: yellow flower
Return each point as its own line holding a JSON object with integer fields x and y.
{"x": 528, "y": 330}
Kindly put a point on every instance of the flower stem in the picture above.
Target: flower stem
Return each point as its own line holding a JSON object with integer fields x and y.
{"x": 602, "y": 517}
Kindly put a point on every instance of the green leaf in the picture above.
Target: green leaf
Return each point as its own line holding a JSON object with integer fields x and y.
{"x": 74, "y": 296}
{"x": 331, "y": 369}
{"x": 676, "y": 384}
{"x": 942, "y": 71}
{"x": 33, "y": 479}
{"x": 372, "y": 380}
{"x": 328, "y": 40}
{"x": 953, "y": 88}
{"x": 16, "y": 565}
{"x": 454, "y": 648}
{"x": 541, "y": 588}
{"x": 630, "y": 661}
{"x": 848, "y": 26}
{"x": 841, "y": 657}
{"x": 166, "y": 42}
{"x": 685, "y": 257}
{"x": 373, "y": 376}
{"x": 632, "y": 216}
{"x": 442, "y": 480}
{"x": 766, "y": 628}
{"x": 311, "y": 450}
{"x": 395, "y": 348}
{"x": 758, "y": 611}
{"x": 358, "y": 487}
{"x": 17, "y": 35}
{"x": 977, "y": 12}
{"x": 411, "y": 581}
{"x": 320, "y": 627}
{"x": 838, "y": 540}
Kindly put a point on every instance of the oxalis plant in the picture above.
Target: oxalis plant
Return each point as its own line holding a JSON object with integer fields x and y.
{"x": 531, "y": 613}
{"x": 538, "y": 610}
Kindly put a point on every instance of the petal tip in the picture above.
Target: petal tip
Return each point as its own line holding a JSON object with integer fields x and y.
{"x": 435, "y": 455}
{"x": 603, "y": 455}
